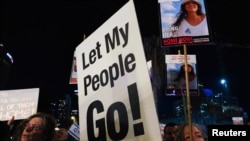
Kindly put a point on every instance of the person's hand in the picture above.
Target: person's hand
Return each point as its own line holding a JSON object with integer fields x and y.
{"x": 11, "y": 121}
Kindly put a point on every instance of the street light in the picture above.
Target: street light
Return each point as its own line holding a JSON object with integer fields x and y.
{"x": 73, "y": 118}
{"x": 224, "y": 83}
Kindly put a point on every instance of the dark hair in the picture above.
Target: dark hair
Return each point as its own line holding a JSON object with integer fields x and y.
{"x": 180, "y": 131}
{"x": 169, "y": 124}
{"x": 182, "y": 72}
{"x": 49, "y": 123}
{"x": 4, "y": 131}
{"x": 183, "y": 13}
{"x": 18, "y": 130}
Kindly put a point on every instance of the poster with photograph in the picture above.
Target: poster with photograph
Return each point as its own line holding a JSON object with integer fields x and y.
{"x": 175, "y": 78}
{"x": 183, "y": 22}
{"x": 73, "y": 74}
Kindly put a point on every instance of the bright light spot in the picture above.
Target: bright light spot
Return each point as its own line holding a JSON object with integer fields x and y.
{"x": 11, "y": 58}
{"x": 223, "y": 81}
{"x": 73, "y": 118}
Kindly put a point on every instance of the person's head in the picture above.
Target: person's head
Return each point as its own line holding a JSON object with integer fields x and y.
{"x": 186, "y": 7}
{"x": 37, "y": 127}
{"x": 169, "y": 131}
{"x": 189, "y": 5}
{"x": 186, "y": 1}
{"x": 183, "y": 133}
{"x": 62, "y": 134}
{"x": 190, "y": 70}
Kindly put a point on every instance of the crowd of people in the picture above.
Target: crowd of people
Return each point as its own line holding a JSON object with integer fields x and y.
{"x": 43, "y": 127}
{"x": 37, "y": 127}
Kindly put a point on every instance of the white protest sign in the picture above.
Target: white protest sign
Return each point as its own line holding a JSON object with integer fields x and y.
{"x": 115, "y": 95}
{"x": 20, "y": 103}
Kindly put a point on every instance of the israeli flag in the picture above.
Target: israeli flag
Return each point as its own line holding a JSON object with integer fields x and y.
{"x": 74, "y": 131}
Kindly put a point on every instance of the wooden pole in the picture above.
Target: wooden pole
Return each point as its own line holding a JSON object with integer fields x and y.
{"x": 187, "y": 93}
{"x": 184, "y": 100}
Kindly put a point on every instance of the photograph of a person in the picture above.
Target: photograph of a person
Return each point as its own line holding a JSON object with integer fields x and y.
{"x": 181, "y": 18}
{"x": 73, "y": 75}
{"x": 180, "y": 81}
{"x": 176, "y": 78}
{"x": 191, "y": 21}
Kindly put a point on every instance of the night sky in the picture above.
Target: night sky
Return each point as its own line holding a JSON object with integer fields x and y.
{"x": 42, "y": 37}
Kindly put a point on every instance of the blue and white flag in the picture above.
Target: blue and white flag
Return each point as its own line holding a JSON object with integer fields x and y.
{"x": 74, "y": 131}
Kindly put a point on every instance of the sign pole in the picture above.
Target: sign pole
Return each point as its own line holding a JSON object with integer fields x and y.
{"x": 183, "y": 99}
{"x": 187, "y": 92}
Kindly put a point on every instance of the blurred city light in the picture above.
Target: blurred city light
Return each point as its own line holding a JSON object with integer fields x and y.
{"x": 223, "y": 81}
